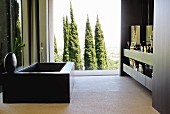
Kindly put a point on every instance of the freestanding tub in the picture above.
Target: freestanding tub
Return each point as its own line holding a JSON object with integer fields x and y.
{"x": 39, "y": 83}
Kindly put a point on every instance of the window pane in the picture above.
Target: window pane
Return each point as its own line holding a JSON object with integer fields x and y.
{"x": 17, "y": 30}
{"x": 89, "y": 37}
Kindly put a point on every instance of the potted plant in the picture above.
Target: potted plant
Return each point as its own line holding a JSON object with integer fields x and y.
{"x": 10, "y": 60}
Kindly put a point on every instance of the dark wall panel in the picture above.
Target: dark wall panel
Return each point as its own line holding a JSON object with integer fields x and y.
{"x": 133, "y": 12}
{"x": 161, "y": 78}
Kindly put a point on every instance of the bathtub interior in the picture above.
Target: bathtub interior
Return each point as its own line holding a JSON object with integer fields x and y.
{"x": 44, "y": 67}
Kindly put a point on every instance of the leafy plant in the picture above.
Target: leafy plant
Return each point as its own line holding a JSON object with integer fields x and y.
{"x": 18, "y": 45}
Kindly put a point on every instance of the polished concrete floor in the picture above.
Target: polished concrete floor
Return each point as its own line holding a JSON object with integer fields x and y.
{"x": 95, "y": 95}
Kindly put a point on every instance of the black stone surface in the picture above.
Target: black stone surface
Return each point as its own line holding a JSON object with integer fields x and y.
{"x": 39, "y": 87}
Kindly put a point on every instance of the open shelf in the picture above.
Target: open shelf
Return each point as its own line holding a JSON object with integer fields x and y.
{"x": 138, "y": 76}
{"x": 139, "y": 56}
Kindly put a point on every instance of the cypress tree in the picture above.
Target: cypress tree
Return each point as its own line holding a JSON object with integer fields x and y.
{"x": 66, "y": 39}
{"x": 105, "y": 52}
{"x": 56, "y": 58}
{"x": 100, "y": 47}
{"x": 89, "y": 51}
{"x": 74, "y": 47}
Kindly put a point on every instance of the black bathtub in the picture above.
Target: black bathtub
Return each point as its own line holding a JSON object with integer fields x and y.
{"x": 39, "y": 83}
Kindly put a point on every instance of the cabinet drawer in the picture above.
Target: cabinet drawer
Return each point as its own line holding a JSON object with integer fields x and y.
{"x": 149, "y": 83}
{"x": 141, "y": 78}
{"x": 135, "y": 74}
{"x": 129, "y": 70}
{"x": 124, "y": 68}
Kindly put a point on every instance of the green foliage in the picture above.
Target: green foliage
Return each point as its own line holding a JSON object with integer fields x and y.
{"x": 17, "y": 32}
{"x": 59, "y": 58}
{"x": 17, "y": 49}
{"x": 66, "y": 39}
{"x": 74, "y": 47}
{"x": 18, "y": 45}
{"x": 56, "y": 57}
{"x": 55, "y": 45}
{"x": 89, "y": 51}
{"x": 105, "y": 53}
{"x": 100, "y": 47}
{"x": 113, "y": 64}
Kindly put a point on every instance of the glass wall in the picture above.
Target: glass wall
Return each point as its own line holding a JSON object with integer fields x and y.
{"x": 10, "y": 30}
{"x": 86, "y": 35}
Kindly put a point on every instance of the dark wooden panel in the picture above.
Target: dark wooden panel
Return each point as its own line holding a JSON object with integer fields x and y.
{"x": 151, "y": 12}
{"x": 133, "y": 12}
{"x": 129, "y": 16}
{"x": 161, "y": 79}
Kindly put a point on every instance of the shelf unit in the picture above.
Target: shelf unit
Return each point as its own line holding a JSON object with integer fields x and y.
{"x": 138, "y": 76}
{"x": 139, "y": 56}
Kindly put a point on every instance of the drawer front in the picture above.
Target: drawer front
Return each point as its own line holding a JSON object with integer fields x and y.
{"x": 141, "y": 78}
{"x": 149, "y": 83}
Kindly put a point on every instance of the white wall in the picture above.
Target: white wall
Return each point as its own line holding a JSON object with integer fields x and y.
{"x": 25, "y": 32}
{"x": 46, "y": 30}
{"x": 51, "y": 31}
{"x": 43, "y": 31}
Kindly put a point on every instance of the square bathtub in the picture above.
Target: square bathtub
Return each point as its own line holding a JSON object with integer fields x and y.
{"x": 39, "y": 83}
